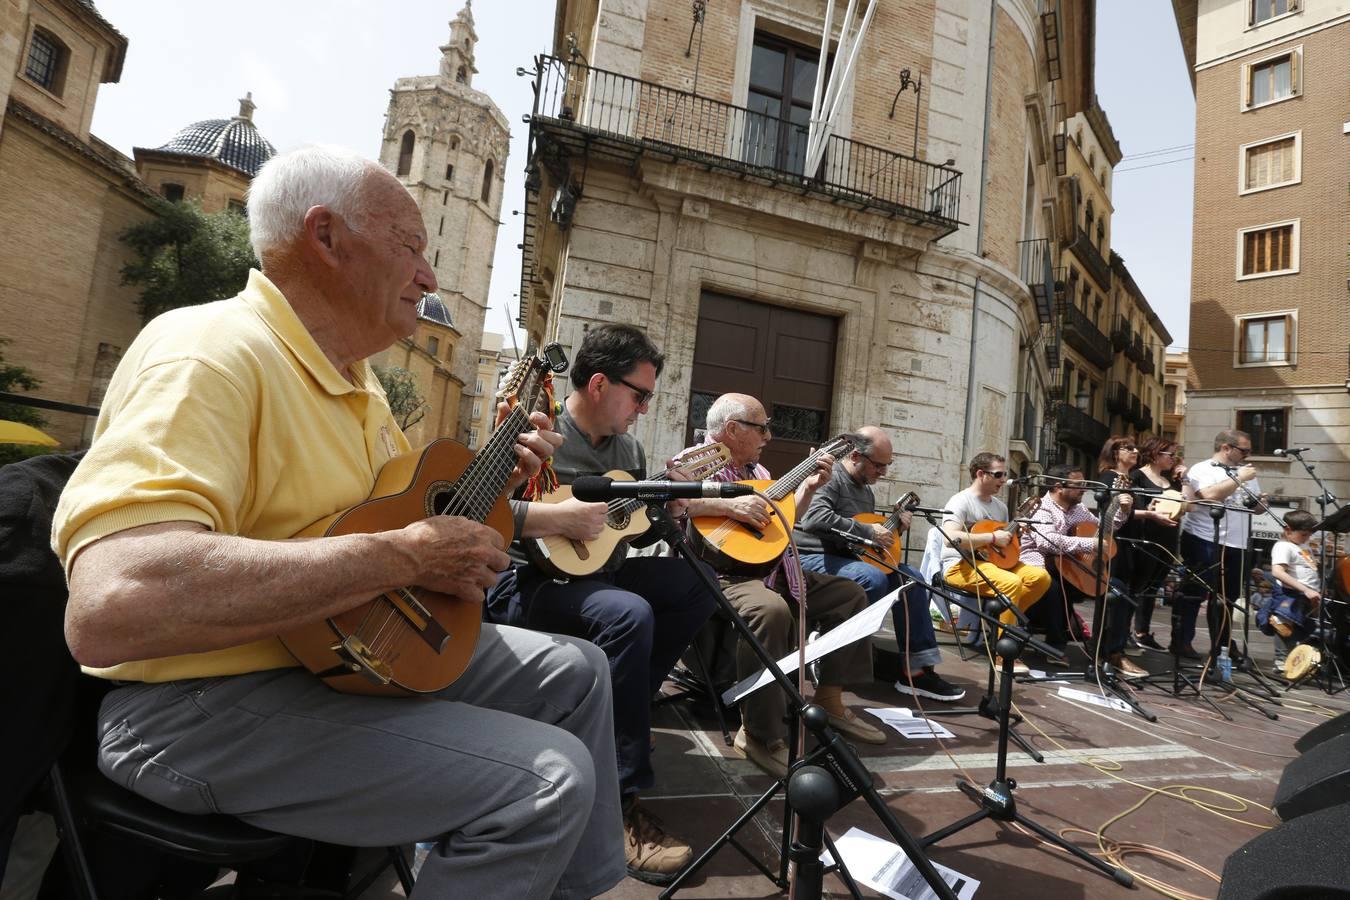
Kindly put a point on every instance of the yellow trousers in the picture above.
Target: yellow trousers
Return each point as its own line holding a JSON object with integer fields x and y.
{"x": 1023, "y": 584}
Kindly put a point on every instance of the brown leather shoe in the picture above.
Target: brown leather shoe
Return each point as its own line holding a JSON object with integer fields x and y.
{"x": 849, "y": 724}
{"x": 771, "y": 758}
{"x": 652, "y": 855}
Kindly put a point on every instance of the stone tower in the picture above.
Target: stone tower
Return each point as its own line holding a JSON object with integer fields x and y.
{"x": 447, "y": 143}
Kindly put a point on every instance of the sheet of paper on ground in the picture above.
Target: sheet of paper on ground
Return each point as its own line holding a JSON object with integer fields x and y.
{"x": 880, "y": 864}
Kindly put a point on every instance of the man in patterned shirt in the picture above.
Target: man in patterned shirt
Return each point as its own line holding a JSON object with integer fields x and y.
{"x": 768, "y": 605}
{"x": 1050, "y": 534}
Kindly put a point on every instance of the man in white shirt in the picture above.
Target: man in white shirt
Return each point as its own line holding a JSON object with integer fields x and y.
{"x": 1226, "y": 478}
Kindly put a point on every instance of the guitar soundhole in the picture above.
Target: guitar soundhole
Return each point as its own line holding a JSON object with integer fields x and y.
{"x": 439, "y": 497}
{"x": 620, "y": 519}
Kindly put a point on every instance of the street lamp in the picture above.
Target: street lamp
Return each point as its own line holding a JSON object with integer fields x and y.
{"x": 917, "y": 84}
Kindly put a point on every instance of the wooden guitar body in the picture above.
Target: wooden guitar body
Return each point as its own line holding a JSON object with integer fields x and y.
{"x": 563, "y": 557}
{"x": 1080, "y": 568}
{"x": 1003, "y": 557}
{"x": 734, "y": 546}
{"x": 417, "y": 653}
{"x": 891, "y": 552}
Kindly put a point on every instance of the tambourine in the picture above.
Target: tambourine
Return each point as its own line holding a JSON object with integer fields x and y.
{"x": 1303, "y": 662}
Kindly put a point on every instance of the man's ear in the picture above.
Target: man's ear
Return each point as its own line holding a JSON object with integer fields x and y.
{"x": 323, "y": 230}
{"x": 596, "y": 382}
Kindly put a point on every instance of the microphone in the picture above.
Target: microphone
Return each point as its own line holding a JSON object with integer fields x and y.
{"x": 855, "y": 539}
{"x": 1026, "y": 479}
{"x": 602, "y": 488}
{"x": 929, "y": 510}
{"x": 1292, "y": 451}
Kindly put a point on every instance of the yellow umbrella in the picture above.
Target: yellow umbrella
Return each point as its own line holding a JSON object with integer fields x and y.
{"x": 19, "y": 433}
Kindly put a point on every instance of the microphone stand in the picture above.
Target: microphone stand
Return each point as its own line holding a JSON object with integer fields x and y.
{"x": 988, "y": 707}
{"x": 833, "y": 756}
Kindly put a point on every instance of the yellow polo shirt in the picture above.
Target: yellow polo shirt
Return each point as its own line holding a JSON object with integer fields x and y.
{"x": 227, "y": 414}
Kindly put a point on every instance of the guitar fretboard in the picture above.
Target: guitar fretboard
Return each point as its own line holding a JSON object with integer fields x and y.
{"x": 800, "y": 472}
{"x": 485, "y": 478}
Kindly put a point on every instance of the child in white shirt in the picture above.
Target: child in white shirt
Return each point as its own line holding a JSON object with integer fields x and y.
{"x": 1295, "y": 568}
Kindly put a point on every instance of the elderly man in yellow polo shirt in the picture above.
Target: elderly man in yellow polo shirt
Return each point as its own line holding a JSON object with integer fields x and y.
{"x": 228, "y": 428}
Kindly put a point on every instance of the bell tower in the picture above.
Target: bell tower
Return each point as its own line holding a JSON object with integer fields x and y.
{"x": 457, "y": 53}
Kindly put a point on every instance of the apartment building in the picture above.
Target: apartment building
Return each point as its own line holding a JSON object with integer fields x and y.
{"x": 1270, "y": 337}
{"x": 1176, "y": 383}
{"x": 898, "y": 270}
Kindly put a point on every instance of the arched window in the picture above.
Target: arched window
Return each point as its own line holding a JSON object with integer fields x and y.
{"x": 462, "y": 75}
{"x": 47, "y": 58}
{"x": 1091, "y": 214}
{"x": 405, "y": 152}
{"x": 1101, "y": 235}
{"x": 486, "y": 194}
{"x": 172, "y": 192}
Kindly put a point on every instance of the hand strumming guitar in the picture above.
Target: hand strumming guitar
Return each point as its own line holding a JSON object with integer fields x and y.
{"x": 453, "y": 555}
{"x": 1001, "y": 538}
{"x": 578, "y": 520}
{"x": 749, "y": 510}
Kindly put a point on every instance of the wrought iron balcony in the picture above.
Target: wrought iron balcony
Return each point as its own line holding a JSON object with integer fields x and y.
{"x": 594, "y": 111}
{"x": 1082, "y": 430}
{"x": 1081, "y": 334}
{"x": 1146, "y": 364}
{"x": 1038, "y": 271}
{"x": 1146, "y": 420}
{"x": 1117, "y": 398}
{"x": 1136, "y": 410}
{"x": 1121, "y": 334}
{"x": 1091, "y": 258}
{"x": 1136, "y": 349}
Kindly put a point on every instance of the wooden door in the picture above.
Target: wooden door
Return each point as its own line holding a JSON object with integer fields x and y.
{"x": 782, "y": 357}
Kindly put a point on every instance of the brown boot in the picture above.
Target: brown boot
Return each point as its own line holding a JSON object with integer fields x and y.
{"x": 652, "y": 855}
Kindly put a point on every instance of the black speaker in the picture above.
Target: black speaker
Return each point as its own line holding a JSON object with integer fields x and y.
{"x": 1316, "y": 780}
{"x": 1324, "y": 732}
{"x": 1298, "y": 860}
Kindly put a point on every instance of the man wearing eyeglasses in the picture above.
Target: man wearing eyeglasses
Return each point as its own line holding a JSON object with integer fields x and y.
{"x": 1210, "y": 481}
{"x": 642, "y": 611}
{"x": 1023, "y": 584}
{"x": 847, "y": 493}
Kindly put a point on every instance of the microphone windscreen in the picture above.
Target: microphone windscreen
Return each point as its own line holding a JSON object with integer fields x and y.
{"x": 592, "y": 488}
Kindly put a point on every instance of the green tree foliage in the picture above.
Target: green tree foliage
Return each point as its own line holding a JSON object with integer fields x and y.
{"x": 186, "y": 256}
{"x": 405, "y": 400}
{"x": 14, "y": 379}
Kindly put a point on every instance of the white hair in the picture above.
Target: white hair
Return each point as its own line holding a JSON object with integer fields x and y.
{"x": 290, "y": 184}
{"x": 723, "y": 410}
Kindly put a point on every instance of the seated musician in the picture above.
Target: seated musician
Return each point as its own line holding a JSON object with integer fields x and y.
{"x": 1049, "y": 542}
{"x": 1298, "y": 591}
{"x": 767, "y": 604}
{"x": 226, "y": 429}
{"x": 642, "y": 611}
{"x": 1022, "y": 584}
{"x": 846, "y": 494}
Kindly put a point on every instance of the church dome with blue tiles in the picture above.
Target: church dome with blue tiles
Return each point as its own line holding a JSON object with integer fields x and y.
{"x": 234, "y": 142}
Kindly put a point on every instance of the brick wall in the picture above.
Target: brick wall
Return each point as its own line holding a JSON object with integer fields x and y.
{"x": 1014, "y": 77}
{"x": 1319, "y": 289}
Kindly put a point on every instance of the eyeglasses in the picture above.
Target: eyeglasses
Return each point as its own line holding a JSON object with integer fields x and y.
{"x": 879, "y": 465}
{"x": 643, "y": 395}
{"x": 1245, "y": 451}
{"x": 997, "y": 474}
{"x": 761, "y": 427}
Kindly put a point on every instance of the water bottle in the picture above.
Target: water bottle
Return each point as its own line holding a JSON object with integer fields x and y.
{"x": 1225, "y": 665}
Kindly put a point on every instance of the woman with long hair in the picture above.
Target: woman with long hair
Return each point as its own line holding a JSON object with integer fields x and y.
{"x": 1160, "y": 469}
{"x": 1120, "y": 455}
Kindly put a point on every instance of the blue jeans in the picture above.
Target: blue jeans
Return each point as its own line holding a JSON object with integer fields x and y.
{"x": 917, "y": 624}
{"x": 643, "y": 616}
{"x": 1223, "y": 570}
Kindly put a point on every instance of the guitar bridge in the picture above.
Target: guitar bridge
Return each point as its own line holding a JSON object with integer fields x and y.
{"x": 357, "y": 658}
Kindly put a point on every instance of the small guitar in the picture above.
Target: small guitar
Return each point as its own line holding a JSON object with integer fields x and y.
{"x": 562, "y": 557}
{"x": 890, "y": 552}
{"x": 731, "y": 545}
{"x": 1088, "y": 571}
{"x": 414, "y": 640}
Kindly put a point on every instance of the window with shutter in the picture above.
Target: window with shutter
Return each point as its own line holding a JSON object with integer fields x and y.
{"x": 1274, "y": 162}
{"x": 1268, "y": 250}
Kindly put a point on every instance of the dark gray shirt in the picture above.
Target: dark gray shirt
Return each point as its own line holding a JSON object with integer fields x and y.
{"x": 832, "y": 506}
{"x": 577, "y": 457}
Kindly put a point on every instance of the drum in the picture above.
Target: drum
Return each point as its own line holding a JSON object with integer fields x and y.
{"x": 1303, "y": 662}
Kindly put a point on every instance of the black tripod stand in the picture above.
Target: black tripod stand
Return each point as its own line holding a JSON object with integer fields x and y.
{"x": 996, "y": 800}
{"x": 833, "y": 754}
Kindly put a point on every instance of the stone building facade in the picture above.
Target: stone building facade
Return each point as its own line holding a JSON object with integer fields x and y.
{"x": 1270, "y": 337}
{"x": 447, "y": 143}
{"x": 66, "y": 198}
{"x": 666, "y": 190}
{"x": 1177, "y": 383}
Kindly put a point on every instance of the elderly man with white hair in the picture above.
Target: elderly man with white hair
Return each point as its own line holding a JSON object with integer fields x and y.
{"x": 228, "y": 428}
{"x": 739, "y": 422}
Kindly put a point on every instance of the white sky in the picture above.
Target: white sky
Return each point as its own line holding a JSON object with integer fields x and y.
{"x": 320, "y": 72}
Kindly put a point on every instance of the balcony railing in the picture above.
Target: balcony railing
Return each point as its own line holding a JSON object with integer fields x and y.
{"x": 1136, "y": 350}
{"x": 1082, "y": 430}
{"x": 1091, "y": 258}
{"x": 1117, "y": 398}
{"x": 1146, "y": 420}
{"x": 1146, "y": 364}
{"x": 1121, "y": 334}
{"x": 602, "y": 112}
{"x": 1084, "y": 336}
{"x": 1038, "y": 272}
{"x": 1136, "y": 409}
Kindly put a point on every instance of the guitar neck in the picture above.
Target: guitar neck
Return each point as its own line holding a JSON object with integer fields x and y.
{"x": 485, "y": 478}
{"x": 794, "y": 478}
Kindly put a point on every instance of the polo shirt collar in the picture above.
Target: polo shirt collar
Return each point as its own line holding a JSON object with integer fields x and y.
{"x": 267, "y": 302}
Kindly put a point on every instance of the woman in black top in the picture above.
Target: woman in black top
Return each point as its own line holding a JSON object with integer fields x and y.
{"x": 1119, "y": 457}
{"x": 1160, "y": 469}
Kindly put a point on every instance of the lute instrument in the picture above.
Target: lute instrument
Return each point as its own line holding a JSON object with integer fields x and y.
{"x": 561, "y": 556}
{"x": 415, "y": 640}
{"x": 735, "y": 546}
{"x": 1089, "y": 571}
{"x": 889, "y": 555}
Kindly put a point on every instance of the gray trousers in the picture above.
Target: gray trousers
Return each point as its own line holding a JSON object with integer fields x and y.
{"x": 511, "y": 768}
